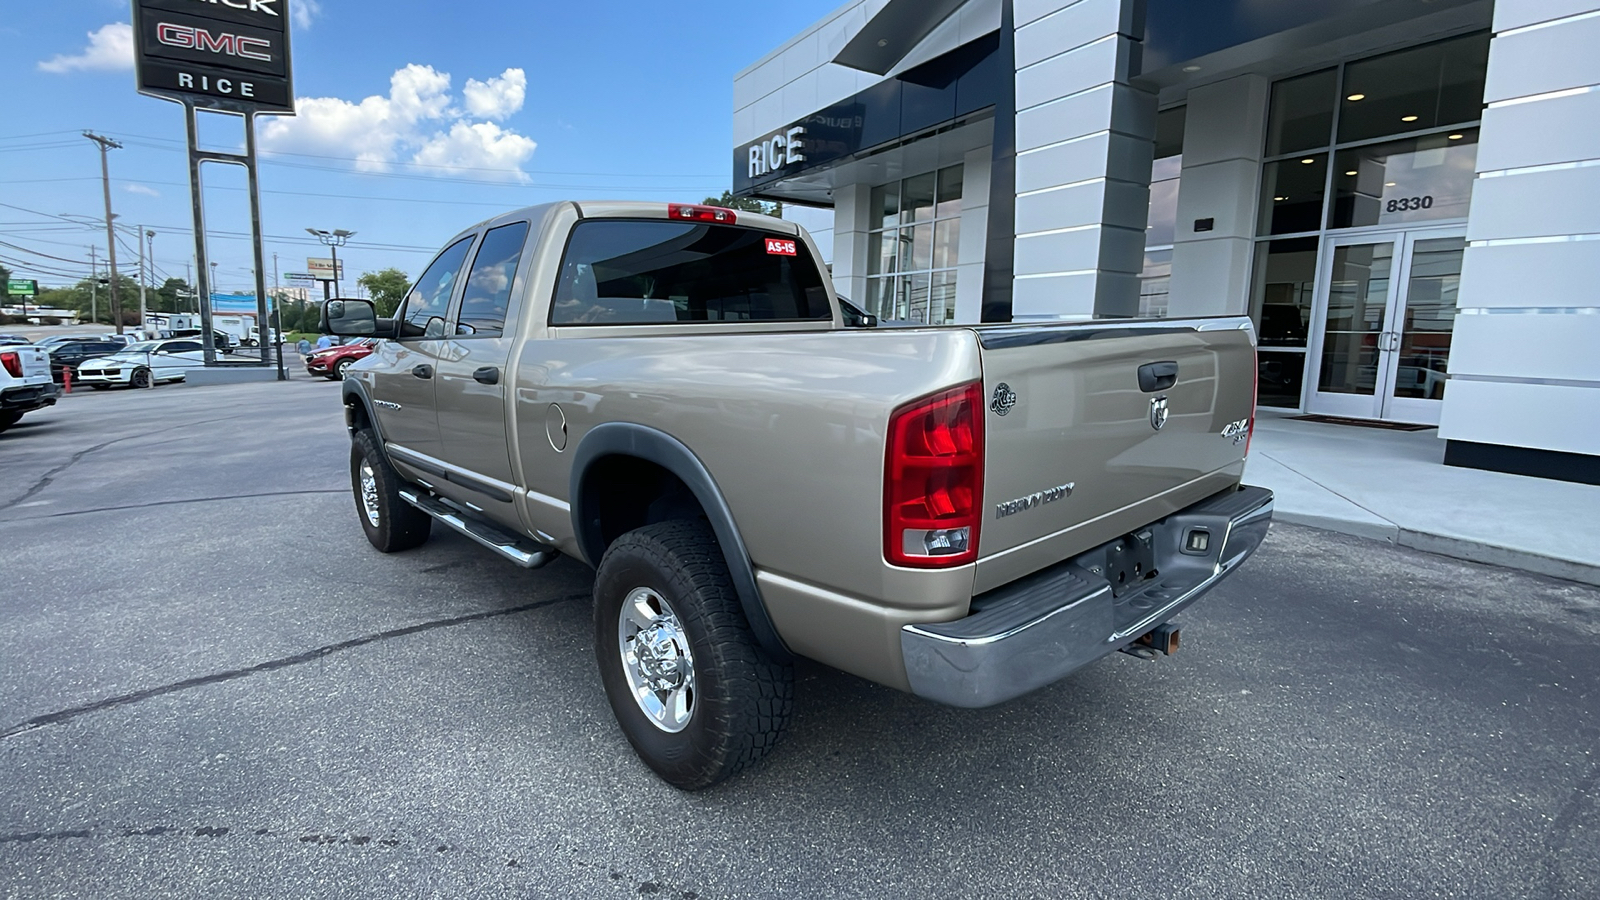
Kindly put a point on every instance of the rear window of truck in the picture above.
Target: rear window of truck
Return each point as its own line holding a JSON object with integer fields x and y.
{"x": 653, "y": 272}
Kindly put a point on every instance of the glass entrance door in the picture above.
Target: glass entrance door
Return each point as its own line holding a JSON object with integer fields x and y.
{"x": 1386, "y": 306}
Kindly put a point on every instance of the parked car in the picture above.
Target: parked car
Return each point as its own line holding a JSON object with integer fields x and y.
{"x": 25, "y": 383}
{"x": 966, "y": 513}
{"x": 332, "y": 362}
{"x": 143, "y": 364}
{"x": 71, "y": 354}
{"x": 13, "y": 340}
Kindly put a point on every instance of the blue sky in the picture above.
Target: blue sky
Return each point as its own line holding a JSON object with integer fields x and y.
{"x": 417, "y": 119}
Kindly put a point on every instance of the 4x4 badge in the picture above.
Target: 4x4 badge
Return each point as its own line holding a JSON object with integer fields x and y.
{"x": 1158, "y": 412}
{"x": 1004, "y": 399}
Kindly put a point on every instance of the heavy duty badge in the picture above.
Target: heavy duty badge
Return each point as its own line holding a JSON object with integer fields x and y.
{"x": 1158, "y": 412}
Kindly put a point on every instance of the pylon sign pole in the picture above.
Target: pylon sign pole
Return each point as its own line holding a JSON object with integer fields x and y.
{"x": 231, "y": 59}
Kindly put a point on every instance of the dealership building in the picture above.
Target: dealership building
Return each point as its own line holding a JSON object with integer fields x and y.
{"x": 1404, "y": 195}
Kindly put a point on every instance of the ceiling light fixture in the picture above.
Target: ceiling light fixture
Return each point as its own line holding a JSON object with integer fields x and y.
{"x": 1351, "y": 172}
{"x": 1354, "y": 97}
{"x": 883, "y": 42}
{"x": 1280, "y": 199}
{"x": 1389, "y": 184}
{"x": 1307, "y": 161}
{"x": 1191, "y": 68}
{"x": 1408, "y": 118}
{"x": 1456, "y": 137}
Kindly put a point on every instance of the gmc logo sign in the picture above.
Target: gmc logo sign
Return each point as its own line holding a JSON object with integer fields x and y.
{"x": 190, "y": 38}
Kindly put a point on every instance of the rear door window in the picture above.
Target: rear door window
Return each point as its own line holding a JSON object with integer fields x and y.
{"x": 631, "y": 272}
{"x": 487, "y": 295}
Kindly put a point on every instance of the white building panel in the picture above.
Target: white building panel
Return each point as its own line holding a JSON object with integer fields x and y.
{"x": 1509, "y": 14}
{"x": 1548, "y": 59}
{"x": 1545, "y": 416}
{"x": 1557, "y": 130}
{"x": 1068, "y": 28}
{"x": 1533, "y": 204}
{"x": 1060, "y": 76}
{"x": 1559, "y": 275}
{"x": 1527, "y": 346}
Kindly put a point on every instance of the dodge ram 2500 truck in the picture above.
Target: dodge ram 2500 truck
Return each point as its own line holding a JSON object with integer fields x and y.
{"x": 673, "y": 394}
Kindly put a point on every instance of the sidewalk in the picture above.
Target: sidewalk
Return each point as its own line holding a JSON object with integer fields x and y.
{"x": 1393, "y": 486}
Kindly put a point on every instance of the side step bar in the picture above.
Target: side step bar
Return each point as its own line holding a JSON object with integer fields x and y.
{"x": 521, "y": 551}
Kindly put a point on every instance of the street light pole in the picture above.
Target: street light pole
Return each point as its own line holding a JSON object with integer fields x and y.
{"x": 107, "y": 145}
{"x": 334, "y": 240}
{"x": 94, "y": 287}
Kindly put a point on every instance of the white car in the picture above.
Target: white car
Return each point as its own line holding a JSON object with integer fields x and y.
{"x": 143, "y": 364}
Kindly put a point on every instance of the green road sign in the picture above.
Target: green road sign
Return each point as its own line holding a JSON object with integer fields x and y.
{"x": 22, "y": 287}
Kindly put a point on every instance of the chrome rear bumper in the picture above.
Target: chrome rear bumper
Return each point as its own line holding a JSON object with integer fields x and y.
{"x": 1039, "y": 629}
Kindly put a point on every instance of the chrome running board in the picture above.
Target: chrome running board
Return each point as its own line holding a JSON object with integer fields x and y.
{"x": 523, "y": 552}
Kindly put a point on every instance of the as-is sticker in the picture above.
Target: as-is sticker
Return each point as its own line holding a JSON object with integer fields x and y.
{"x": 780, "y": 247}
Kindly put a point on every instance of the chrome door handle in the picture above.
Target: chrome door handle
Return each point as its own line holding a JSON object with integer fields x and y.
{"x": 422, "y": 371}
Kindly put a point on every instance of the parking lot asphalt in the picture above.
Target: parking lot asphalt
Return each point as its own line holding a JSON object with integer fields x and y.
{"x": 212, "y": 686}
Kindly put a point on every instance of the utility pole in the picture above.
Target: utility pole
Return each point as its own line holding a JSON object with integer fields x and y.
{"x": 94, "y": 287}
{"x": 150, "y": 240}
{"x": 107, "y": 145}
{"x": 138, "y": 238}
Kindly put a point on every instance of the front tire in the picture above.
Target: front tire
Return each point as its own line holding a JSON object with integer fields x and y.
{"x": 391, "y": 524}
{"x": 694, "y": 693}
{"x": 338, "y": 370}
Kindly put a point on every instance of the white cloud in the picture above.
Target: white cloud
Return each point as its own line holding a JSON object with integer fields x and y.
{"x": 304, "y": 12}
{"x": 498, "y": 97}
{"x": 110, "y": 49}
{"x": 418, "y": 119}
{"x": 141, "y": 189}
{"x": 483, "y": 145}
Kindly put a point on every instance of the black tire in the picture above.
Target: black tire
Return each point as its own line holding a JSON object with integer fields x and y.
{"x": 741, "y": 697}
{"x": 8, "y": 419}
{"x": 394, "y": 525}
{"x": 141, "y": 378}
{"x": 338, "y": 369}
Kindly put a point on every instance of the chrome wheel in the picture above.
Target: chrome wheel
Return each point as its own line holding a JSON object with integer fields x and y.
{"x": 656, "y": 659}
{"x": 369, "y": 494}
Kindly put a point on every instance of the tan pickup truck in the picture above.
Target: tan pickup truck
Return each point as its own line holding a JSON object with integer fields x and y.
{"x": 675, "y": 396}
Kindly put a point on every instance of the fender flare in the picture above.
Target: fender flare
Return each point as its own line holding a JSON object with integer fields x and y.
{"x": 666, "y": 451}
{"x": 353, "y": 394}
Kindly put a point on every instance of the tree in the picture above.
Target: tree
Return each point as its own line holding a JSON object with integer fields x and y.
{"x": 748, "y": 204}
{"x": 387, "y": 288}
{"x": 174, "y": 295}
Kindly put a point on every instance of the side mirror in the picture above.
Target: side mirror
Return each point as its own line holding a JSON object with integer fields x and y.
{"x": 349, "y": 318}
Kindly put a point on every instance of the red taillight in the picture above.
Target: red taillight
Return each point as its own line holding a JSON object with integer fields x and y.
{"x": 693, "y": 213}
{"x": 13, "y": 364}
{"x": 933, "y": 480}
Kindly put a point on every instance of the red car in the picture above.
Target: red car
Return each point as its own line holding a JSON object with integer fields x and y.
{"x": 332, "y": 362}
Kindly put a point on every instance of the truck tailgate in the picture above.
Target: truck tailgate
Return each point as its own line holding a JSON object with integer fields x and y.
{"x": 35, "y": 363}
{"x": 1079, "y": 452}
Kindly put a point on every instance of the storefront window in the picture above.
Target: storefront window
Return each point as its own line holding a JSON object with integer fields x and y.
{"x": 913, "y": 248}
{"x": 1414, "y": 89}
{"x": 1280, "y": 305}
{"x": 1162, "y": 224}
{"x": 1419, "y": 179}
{"x": 1302, "y": 112}
{"x": 1154, "y": 283}
{"x": 1292, "y": 191}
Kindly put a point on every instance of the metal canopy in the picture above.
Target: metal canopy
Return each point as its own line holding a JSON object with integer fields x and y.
{"x": 894, "y": 32}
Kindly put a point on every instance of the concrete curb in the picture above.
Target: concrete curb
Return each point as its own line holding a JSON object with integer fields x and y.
{"x": 1455, "y": 548}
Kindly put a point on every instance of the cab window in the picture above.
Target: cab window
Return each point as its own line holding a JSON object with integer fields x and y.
{"x": 487, "y": 295}
{"x": 630, "y": 272}
{"x": 429, "y": 299}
